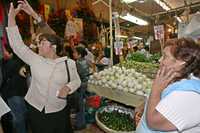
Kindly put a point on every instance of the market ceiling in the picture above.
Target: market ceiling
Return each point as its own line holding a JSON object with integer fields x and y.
{"x": 148, "y": 10}
{"x": 151, "y": 11}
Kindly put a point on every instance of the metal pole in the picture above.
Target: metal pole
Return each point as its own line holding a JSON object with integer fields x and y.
{"x": 111, "y": 35}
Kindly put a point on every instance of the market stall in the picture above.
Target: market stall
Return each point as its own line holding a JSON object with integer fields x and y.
{"x": 117, "y": 95}
{"x": 123, "y": 85}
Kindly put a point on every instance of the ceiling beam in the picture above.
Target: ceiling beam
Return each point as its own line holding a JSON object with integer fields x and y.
{"x": 191, "y": 6}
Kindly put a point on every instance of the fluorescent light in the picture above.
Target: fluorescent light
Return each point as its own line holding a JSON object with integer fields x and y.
{"x": 137, "y": 38}
{"x": 134, "y": 19}
{"x": 121, "y": 36}
{"x": 178, "y": 19}
{"x": 129, "y": 1}
{"x": 141, "y": 1}
{"x": 163, "y": 5}
{"x": 169, "y": 30}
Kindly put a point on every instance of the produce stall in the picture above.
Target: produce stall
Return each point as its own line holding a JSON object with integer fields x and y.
{"x": 122, "y": 85}
{"x": 144, "y": 63}
{"x": 147, "y": 68}
{"x": 117, "y": 95}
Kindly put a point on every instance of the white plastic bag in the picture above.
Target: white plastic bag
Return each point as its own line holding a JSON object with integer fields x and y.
{"x": 193, "y": 28}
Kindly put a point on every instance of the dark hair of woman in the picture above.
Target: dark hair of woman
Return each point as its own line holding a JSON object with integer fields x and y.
{"x": 81, "y": 51}
{"x": 187, "y": 50}
{"x": 54, "y": 40}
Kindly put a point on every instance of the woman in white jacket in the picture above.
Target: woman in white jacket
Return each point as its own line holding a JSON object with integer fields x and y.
{"x": 48, "y": 111}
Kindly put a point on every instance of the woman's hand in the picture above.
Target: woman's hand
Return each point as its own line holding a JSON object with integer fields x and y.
{"x": 12, "y": 14}
{"x": 22, "y": 72}
{"x": 164, "y": 77}
{"x": 63, "y": 92}
{"x": 28, "y": 9}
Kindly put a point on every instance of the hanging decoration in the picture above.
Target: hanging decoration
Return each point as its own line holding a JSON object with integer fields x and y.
{"x": 181, "y": 29}
{"x": 102, "y": 32}
{"x": 118, "y": 45}
{"x": 46, "y": 11}
{"x": 193, "y": 28}
{"x": 73, "y": 28}
{"x": 159, "y": 32}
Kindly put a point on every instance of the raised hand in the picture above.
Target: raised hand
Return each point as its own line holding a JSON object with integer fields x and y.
{"x": 28, "y": 9}
{"x": 12, "y": 14}
{"x": 164, "y": 77}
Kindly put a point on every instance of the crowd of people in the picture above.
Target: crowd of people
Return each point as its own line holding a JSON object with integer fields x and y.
{"x": 39, "y": 78}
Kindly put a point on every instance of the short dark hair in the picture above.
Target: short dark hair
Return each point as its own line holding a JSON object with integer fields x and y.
{"x": 54, "y": 40}
{"x": 81, "y": 51}
{"x": 107, "y": 52}
{"x": 187, "y": 50}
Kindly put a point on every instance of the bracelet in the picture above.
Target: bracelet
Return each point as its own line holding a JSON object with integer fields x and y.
{"x": 38, "y": 20}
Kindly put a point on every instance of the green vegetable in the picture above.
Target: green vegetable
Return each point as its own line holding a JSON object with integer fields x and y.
{"x": 117, "y": 121}
{"x": 141, "y": 57}
{"x": 147, "y": 68}
{"x": 137, "y": 56}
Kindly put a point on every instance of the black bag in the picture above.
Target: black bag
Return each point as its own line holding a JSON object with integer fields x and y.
{"x": 73, "y": 100}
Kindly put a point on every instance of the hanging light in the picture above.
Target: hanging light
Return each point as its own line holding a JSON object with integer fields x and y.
{"x": 134, "y": 19}
{"x": 141, "y": 1}
{"x": 163, "y": 5}
{"x": 137, "y": 38}
{"x": 178, "y": 19}
{"x": 121, "y": 36}
{"x": 129, "y": 1}
{"x": 169, "y": 30}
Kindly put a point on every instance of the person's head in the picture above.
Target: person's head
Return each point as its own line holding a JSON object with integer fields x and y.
{"x": 68, "y": 51}
{"x": 182, "y": 55}
{"x": 140, "y": 46}
{"x": 146, "y": 47}
{"x": 79, "y": 52}
{"x": 50, "y": 43}
{"x": 135, "y": 48}
{"x": 107, "y": 52}
{"x": 91, "y": 44}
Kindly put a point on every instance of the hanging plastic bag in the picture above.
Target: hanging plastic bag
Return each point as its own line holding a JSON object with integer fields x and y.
{"x": 193, "y": 28}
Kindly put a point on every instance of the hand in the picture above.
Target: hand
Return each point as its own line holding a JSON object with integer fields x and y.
{"x": 164, "y": 77}
{"x": 63, "y": 92}
{"x": 28, "y": 9}
{"x": 22, "y": 72}
{"x": 12, "y": 14}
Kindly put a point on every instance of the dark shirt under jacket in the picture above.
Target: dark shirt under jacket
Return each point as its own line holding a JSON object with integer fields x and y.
{"x": 14, "y": 84}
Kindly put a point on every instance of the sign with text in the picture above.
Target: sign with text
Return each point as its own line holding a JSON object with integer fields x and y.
{"x": 159, "y": 32}
{"x": 118, "y": 47}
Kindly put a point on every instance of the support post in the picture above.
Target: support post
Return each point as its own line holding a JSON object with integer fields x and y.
{"x": 111, "y": 35}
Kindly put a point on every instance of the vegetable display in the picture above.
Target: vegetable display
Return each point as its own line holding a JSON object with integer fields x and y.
{"x": 144, "y": 57}
{"x": 117, "y": 121}
{"x": 123, "y": 79}
{"x": 147, "y": 68}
